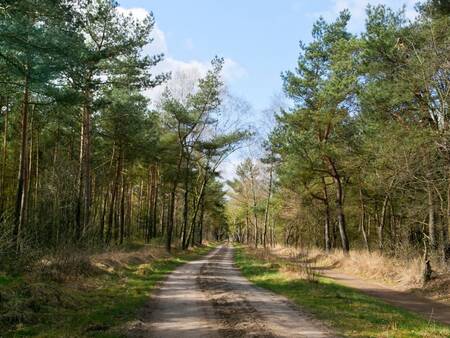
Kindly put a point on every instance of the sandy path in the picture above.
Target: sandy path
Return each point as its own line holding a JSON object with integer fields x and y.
{"x": 427, "y": 308}
{"x": 210, "y": 298}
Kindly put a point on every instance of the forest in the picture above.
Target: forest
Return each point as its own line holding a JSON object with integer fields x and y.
{"x": 105, "y": 190}
{"x": 360, "y": 158}
{"x": 85, "y": 161}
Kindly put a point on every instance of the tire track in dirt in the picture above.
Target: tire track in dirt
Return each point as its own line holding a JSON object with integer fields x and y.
{"x": 245, "y": 310}
{"x": 210, "y": 298}
{"x": 238, "y": 316}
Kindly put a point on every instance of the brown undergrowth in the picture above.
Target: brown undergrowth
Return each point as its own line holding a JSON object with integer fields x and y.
{"x": 77, "y": 291}
{"x": 397, "y": 273}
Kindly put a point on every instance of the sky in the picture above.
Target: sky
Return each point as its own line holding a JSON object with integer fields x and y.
{"x": 259, "y": 39}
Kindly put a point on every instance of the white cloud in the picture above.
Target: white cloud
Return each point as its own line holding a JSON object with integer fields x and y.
{"x": 233, "y": 71}
{"x": 159, "y": 43}
{"x": 184, "y": 75}
{"x": 184, "y": 72}
{"x": 357, "y": 9}
{"x": 139, "y": 13}
{"x": 228, "y": 167}
{"x": 191, "y": 71}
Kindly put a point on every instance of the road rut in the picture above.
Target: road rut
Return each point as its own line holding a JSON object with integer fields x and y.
{"x": 210, "y": 298}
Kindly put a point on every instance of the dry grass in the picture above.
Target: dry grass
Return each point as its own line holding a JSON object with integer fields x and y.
{"x": 78, "y": 292}
{"x": 350, "y": 312}
{"x": 400, "y": 274}
{"x": 116, "y": 259}
{"x": 51, "y": 280}
{"x": 72, "y": 264}
{"x": 437, "y": 289}
{"x": 290, "y": 266}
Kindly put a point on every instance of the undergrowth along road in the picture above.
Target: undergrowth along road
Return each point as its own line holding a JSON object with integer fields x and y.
{"x": 210, "y": 298}
{"x": 350, "y": 312}
{"x": 95, "y": 306}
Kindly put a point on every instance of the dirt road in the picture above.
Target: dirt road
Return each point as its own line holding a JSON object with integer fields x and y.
{"x": 210, "y": 298}
{"x": 427, "y": 308}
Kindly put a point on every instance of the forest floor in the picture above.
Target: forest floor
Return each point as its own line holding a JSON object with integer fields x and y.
{"x": 399, "y": 274}
{"x": 228, "y": 292}
{"x": 430, "y": 300}
{"x": 210, "y": 298}
{"x": 429, "y": 309}
{"x": 351, "y": 312}
{"x": 85, "y": 295}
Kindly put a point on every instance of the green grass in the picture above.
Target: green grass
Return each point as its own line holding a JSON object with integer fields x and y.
{"x": 7, "y": 280}
{"x": 97, "y": 309}
{"x": 347, "y": 311}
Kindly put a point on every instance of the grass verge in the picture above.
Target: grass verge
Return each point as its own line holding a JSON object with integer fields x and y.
{"x": 97, "y": 306}
{"x": 349, "y": 312}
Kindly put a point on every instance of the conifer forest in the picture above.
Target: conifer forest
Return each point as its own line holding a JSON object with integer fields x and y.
{"x": 122, "y": 177}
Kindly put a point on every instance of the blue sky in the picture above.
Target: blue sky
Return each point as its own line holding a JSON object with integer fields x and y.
{"x": 258, "y": 38}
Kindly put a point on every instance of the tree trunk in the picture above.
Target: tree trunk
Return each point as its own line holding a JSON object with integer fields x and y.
{"x": 4, "y": 159}
{"x": 272, "y": 241}
{"x": 327, "y": 217}
{"x": 339, "y": 206}
{"x": 163, "y": 217}
{"x": 363, "y": 221}
{"x": 84, "y": 183}
{"x": 56, "y": 212}
{"x": 22, "y": 188}
{"x": 36, "y": 182}
{"x": 255, "y": 215}
{"x": 446, "y": 227}
{"x": 170, "y": 217}
{"x": 266, "y": 212}
{"x": 431, "y": 218}
{"x": 109, "y": 230}
{"x": 427, "y": 271}
{"x": 140, "y": 223}
{"x": 129, "y": 219}
{"x": 184, "y": 241}
{"x": 341, "y": 215}
{"x": 149, "y": 217}
{"x": 199, "y": 199}
{"x": 105, "y": 200}
{"x": 87, "y": 167}
{"x": 381, "y": 223}
{"x": 101, "y": 230}
{"x": 122, "y": 211}
{"x": 247, "y": 227}
{"x": 155, "y": 201}
{"x": 30, "y": 163}
{"x": 392, "y": 222}
{"x": 202, "y": 216}
{"x": 171, "y": 214}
